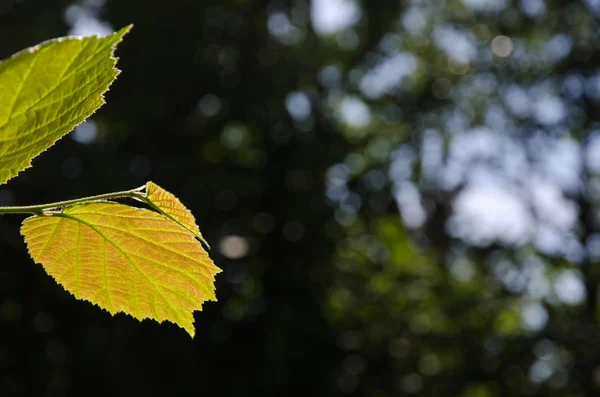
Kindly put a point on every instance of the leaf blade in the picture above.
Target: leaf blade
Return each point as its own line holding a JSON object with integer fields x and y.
{"x": 124, "y": 259}
{"x": 170, "y": 206}
{"x": 49, "y": 89}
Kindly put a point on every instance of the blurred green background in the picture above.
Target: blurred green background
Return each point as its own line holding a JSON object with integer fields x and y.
{"x": 402, "y": 195}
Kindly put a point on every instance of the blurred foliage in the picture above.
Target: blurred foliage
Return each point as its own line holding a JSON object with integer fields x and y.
{"x": 403, "y": 200}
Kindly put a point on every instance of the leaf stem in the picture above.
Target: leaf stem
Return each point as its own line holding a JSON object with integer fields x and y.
{"x": 136, "y": 194}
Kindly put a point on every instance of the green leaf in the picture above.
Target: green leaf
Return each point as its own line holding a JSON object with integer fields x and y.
{"x": 167, "y": 204}
{"x": 46, "y": 90}
{"x": 124, "y": 259}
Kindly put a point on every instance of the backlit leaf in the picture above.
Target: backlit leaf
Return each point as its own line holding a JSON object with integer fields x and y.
{"x": 46, "y": 90}
{"x": 170, "y": 206}
{"x": 124, "y": 259}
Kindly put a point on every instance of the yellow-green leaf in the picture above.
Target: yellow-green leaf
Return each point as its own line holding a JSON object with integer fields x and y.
{"x": 46, "y": 90}
{"x": 170, "y": 206}
{"x": 124, "y": 259}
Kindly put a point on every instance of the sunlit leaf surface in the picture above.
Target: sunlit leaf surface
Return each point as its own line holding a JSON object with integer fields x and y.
{"x": 46, "y": 90}
{"x": 170, "y": 206}
{"x": 124, "y": 259}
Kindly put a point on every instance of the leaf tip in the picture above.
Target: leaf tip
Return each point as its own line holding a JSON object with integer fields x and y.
{"x": 124, "y": 30}
{"x": 191, "y": 332}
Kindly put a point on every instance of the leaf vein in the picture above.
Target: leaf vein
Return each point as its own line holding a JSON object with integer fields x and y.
{"x": 21, "y": 85}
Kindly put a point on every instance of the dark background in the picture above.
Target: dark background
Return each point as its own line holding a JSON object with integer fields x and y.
{"x": 354, "y": 260}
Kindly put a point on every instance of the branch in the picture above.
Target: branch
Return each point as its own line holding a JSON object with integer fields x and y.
{"x": 39, "y": 209}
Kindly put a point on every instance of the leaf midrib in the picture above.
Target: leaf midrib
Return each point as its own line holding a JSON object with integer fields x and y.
{"x": 126, "y": 255}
